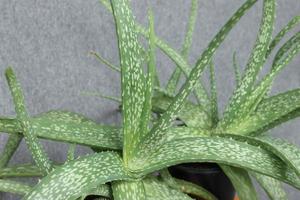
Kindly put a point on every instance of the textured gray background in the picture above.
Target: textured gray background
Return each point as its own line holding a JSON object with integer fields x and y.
{"x": 47, "y": 43}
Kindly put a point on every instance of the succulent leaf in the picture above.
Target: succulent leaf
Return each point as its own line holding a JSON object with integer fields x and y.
{"x": 75, "y": 178}
{"x": 271, "y": 186}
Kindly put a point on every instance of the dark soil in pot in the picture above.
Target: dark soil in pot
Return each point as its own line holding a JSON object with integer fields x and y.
{"x": 208, "y": 175}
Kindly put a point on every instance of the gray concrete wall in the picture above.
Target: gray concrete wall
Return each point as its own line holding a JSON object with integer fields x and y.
{"x": 47, "y": 43}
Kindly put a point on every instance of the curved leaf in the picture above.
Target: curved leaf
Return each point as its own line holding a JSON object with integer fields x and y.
{"x": 26, "y": 170}
{"x": 236, "y": 109}
{"x": 216, "y": 149}
{"x": 241, "y": 181}
{"x": 10, "y": 147}
{"x": 167, "y": 118}
{"x": 102, "y": 190}
{"x": 267, "y": 112}
{"x": 62, "y": 115}
{"x": 150, "y": 78}
{"x": 36, "y": 149}
{"x": 129, "y": 190}
{"x": 271, "y": 186}
{"x": 191, "y": 114}
{"x": 76, "y": 177}
{"x": 68, "y": 130}
{"x": 236, "y": 68}
{"x": 291, "y": 24}
{"x": 289, "y": 153}
{"x": 185, "y": 186}
{"x": 14, "y": 187}
{"x": 132, "y": 77}
{"x": 158, "y": 190}
{"x": 213, "y": 94}
{"x": 289, "y": 116}
{"x": 174, "y": 79}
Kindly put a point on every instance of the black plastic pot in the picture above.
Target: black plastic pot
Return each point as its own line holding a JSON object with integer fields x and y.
{"x": 208, "y": 175}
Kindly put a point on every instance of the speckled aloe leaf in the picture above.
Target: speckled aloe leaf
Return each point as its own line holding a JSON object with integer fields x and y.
{"x": 200, "y": 92}
{"x": 10, "y": 147}
{"x": 73, "y": 130}
{"x": 71, "y": 152}
{"x": 288, "y": 152}
{"x": 235, "y": 108}
{"x": 236, "y": 69}
{"x": 150, "y": 78}
{"x": 167, "y": 118}
{"x": 219, "y": 150}
{"x": 25, "y": 170}
{"x": 102, "y": 190}
{"x": 66, "y": 116}
{"x": 267, "y": 112}
{"x": 132, "y": 76}
{"x": 285, "y": 54}
{"x": 79, "y": 176}
{"x": 129, "y": 190}
{"x": 39, "y": 155}
{"x": 241, "y": 181}
{"x": 191, "y": 114}
{"x": 14, "y": 187}
{"x": 158, "y": 190}
{"x": 185, "y": 186}
{"x": 213, "y": 94}
{"x": 290, "y": 116}
{"x": 290, "y": 25}
{"x": 271, "y": 186}
{"x": 174, "y": 79}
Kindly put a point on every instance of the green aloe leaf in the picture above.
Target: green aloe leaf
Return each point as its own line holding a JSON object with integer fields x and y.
{"x": 71, "y": 152}
{"x": 288, "y": 50}
{"x": 267, "y": 112}
{"x": 10, "y": 148}
{"x": 214, "y": 95}
{"x": 174, "y": 79}
{"x": 159, "y": 190}
{"x": 132, "y": 77}
{"x": 75, "y": 178}
{"x": 284, "y": 55}
{"x": 176, "y": 57}
{"x": 129, "y": 190}
{"x": 87, "y": 133}
{"x": 191, "y": 114}
{"x": 236, "y": 110}
{"x": 272, "y": 187}
{"x": 149, "y": 82}
{"x": 241, "y": 181}
{"x": 289, "y": 153}
{"x": 236, "y": 69}
{"x": 26, "y": 170}
{"x": 68, "y": 127}
{"x": 290, "y": 25}
{"x": 167, "y": 118}
{"x": 66, "y": 116}
{"x": 288, "y": 117}
{"x": 185, "y": 186}
{"x": 36, "y": 149}
{"x": 216, "y": 149}
{"x": 14, "y": 187}
{"x": 102, "y": 190}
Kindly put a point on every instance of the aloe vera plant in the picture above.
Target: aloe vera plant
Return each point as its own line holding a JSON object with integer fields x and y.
{"x": 131, "y": 161}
